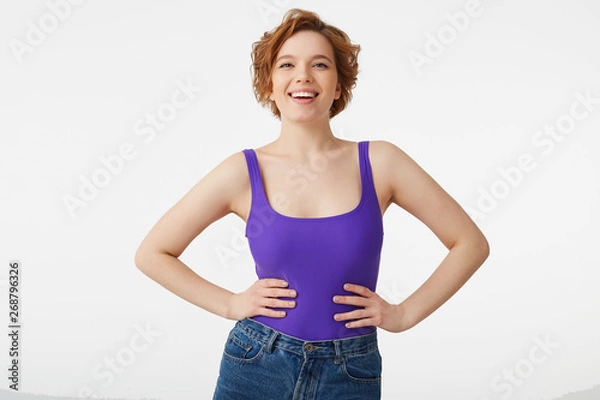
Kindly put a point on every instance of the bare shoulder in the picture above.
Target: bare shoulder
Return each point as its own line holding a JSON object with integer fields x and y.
{"x": 384, "y": 152}
{"x": 389, "y": 167}
{"x": 225, "y": 180}
{"x": 229, "y": 181}
{"x": 233, "y": 169}
{"x": 399, "y": 170}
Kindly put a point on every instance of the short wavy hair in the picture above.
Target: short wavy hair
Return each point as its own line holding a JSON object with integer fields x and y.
{"x": 266, "y": 49}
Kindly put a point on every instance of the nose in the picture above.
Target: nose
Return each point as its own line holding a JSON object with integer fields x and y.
{"x": 303, "y": 75}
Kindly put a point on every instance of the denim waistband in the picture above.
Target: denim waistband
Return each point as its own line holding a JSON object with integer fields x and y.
{"x": 310, "y": 349}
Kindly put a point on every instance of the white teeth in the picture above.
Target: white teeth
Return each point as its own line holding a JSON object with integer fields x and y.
{"x": 303, "y": 94}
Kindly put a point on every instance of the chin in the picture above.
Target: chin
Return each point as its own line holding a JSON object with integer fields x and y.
{"x": 305, "y": 117}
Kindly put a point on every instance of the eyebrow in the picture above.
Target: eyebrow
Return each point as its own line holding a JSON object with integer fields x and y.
{"x": 316, "y": 56}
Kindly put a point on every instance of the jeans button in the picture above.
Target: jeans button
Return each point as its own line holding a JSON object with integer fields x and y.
{"x": 308, "y": 347}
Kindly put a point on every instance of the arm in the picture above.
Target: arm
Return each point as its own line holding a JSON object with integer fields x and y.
{"x": 214, "y": 196}
{"x": 410, "y": 187}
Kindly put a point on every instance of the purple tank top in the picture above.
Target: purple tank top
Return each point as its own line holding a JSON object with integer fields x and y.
{"x": 316, "y": 256}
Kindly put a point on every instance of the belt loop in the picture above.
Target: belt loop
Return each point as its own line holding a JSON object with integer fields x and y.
{"x": 271, "y": 342}
{"x": 338, "y": 352}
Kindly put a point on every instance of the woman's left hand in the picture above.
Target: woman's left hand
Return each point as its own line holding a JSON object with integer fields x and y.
{"x": 375, "y": 311}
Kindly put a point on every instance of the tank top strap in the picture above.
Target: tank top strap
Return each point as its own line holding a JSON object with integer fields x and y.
{"x": 365, "y": 172}
{"x": 256, "y": 185}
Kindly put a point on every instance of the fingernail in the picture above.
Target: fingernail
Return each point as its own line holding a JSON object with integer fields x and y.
{"x": 293, "y": 293}
{"x": 336, "y": 298}
{"x": 346, "y": 286}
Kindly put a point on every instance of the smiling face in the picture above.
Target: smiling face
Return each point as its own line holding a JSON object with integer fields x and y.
{"x": 304, "y": 78}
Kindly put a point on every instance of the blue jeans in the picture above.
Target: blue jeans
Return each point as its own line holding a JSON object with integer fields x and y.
{"x": 260, "y": 363}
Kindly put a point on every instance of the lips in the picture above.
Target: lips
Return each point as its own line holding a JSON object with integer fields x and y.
{"x": 303, "y": 94}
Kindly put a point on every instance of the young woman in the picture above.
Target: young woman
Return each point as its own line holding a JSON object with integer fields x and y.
{"x": 313, "y": 207}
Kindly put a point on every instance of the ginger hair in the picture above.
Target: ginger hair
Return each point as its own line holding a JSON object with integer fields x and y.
{"x": 264, "y": 53}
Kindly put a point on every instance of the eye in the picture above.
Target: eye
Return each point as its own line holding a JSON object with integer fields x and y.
{"x": 321, "y": 65}
{"x": 285, "y": 65}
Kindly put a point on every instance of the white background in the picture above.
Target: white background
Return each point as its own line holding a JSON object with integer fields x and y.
{"x": 79, "y": 91}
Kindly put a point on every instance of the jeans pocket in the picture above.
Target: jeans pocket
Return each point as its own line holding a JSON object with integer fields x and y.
{"x": 364, "y": 368}
{"x": 242, "y": 348}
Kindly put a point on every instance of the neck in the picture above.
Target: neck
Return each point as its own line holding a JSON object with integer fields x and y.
{"x": 305, "y": 138}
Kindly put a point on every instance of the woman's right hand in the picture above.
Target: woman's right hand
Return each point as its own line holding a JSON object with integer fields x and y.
{"x": 260, "y": 299}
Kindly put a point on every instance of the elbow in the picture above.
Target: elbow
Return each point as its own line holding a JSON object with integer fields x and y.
{"x": 482, "y": 248}
{"x": 476, "y": 248}
{"x": 139, "y": 258}
{"x": 148, "y": 258}
{"x": 142, "y": 258}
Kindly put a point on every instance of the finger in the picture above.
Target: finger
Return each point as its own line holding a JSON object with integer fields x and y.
{"x": 360, "y": 323}
{"x": 275, "y": 303}
{"x": 279, "y": 293}
{"x": 267, "y": 312}
{"x": 273, "y": 282}
{"x": 358, "y": 289}
{"x": 351, "y": 300}
{"x": 356, "y": 314}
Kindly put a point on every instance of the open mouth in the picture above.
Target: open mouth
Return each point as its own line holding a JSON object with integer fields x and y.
{"x": 303, "y": 95}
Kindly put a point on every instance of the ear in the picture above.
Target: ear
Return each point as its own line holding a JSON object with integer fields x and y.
{"x": 271, "y": 96}
{"x": 338, "y": 91}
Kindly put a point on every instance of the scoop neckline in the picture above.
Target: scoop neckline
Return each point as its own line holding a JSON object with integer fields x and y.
{"x": 323, "y": 218}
